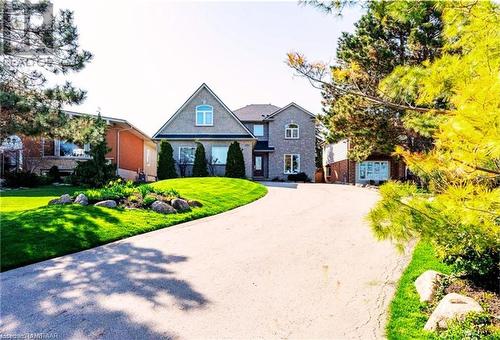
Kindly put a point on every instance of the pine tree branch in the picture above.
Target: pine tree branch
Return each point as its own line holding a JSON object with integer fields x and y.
{"x": 477, "y": 167}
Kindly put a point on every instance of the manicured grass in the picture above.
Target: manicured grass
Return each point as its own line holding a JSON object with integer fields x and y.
{"x": 30, "y": 233}
{"x": 406, "y": 319}
{"x": 24, "y": 199}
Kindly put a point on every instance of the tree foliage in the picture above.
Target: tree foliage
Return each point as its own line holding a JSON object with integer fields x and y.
{"x": 235, "y": 164}
{"x": 166, "y": 162}
{"x": 459, "y": 210}
{"x": 388, "y": 35}
{"x": 32, "y": 56}
{"x": 97, "y": 171}
{"x": 200, "y": 162}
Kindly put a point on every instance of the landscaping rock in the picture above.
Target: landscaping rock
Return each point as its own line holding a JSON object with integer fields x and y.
{"x": 81, "y": 199}
{"x": 180, "y": 205}
{"x": 452, "y": 306}
{"x": 65, "y": 199}
{"x": 194, "y": 204}
{"x": 106, "y": 203}
{"x": 426, "y": 284}
{"x": 54, "y": 201}
{"x": 162, "y": 208}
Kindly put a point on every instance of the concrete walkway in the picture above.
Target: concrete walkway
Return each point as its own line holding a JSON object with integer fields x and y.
{"x": 300, "y": 263}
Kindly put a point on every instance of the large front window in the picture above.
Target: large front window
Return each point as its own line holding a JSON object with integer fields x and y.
{"x": 204, "y": 115}
{"x": 69, "y": 149}
{"x": 186, "y": 154}
{"x": 373, "y": 170}
{"x": 292, "y": 164}
{"x": 292, "y": 131}
{"x": 219, "y": 154}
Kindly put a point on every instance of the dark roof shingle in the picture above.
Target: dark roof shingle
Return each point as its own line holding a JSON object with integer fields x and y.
{"x": 255, "y": 112}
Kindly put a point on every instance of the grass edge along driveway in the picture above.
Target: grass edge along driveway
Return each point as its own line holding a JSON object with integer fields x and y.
{"x": 37, "y": 233}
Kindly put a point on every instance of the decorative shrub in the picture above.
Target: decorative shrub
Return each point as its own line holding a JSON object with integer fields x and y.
{"x": 53, "y": 174}
{"x": 166, "y": 162}
{"x": 300, "y": 177}
{"x": 21, "y": 179}
{"x": 200, "y": 162}
{"x": 235, "y": 164}
{"x": 96, "y": 171}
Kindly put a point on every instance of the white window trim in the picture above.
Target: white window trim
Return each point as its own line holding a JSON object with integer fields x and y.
{"x": 57, "y": 150}
{"x": 291, "y": 131}
{"x": 186, "y": 147}
{"x": 358, "y": 172}
{"x": 204, "y": 119}
{"x": 256, "y": 135}
{"x": 212, "y": 155}
{"x": 284, "y": 163}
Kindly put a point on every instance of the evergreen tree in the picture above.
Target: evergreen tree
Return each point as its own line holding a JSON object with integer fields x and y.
{"x": 31, "y": 55}
{"x": 97, "y": 171}
{"x": 200, "y": 162}
{"x": 235, "y": 164}
{"x": 166, "y": 162}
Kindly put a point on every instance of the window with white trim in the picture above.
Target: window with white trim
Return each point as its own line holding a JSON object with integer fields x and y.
{"x": 186, "y": 154}
{"x": 68, "y": 149}
{"x": 292, "y": 131}
{"x": 204, "y": 115}
{"x": 291, "y": 164}
{"x": 258, "y": 130}
{"x": 219, "y": 154}
{"x": 373, "y": 170}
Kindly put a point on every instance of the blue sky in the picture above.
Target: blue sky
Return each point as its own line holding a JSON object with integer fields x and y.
{"x": 149, "y": 56}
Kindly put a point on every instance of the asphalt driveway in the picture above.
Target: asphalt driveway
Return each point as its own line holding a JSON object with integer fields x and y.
{"x": 299, "y": 263}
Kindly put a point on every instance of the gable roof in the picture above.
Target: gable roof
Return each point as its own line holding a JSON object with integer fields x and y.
{"x": 255, "y": 112}
{"x": 286, "y": 107}
{"x": 202, "y": 86}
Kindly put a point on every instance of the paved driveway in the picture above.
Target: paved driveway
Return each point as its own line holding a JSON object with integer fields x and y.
{"x": 299, "y": 263}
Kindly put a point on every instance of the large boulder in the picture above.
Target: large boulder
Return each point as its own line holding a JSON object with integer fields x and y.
{"x": 54, "y": 201}
{"x": 65, "y": 199}
{"x": 452, "y": 306}
{"x": 81, "y": 199}
{"x": 180, "y": 205}
{"x": 162, "y": 208}
{"x": 194, "y": 204}
{"x": 426, "y": 284}
{"x": 106, "y": 203}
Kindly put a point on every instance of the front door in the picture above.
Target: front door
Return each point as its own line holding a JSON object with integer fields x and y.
{"x": 258, "y": 169}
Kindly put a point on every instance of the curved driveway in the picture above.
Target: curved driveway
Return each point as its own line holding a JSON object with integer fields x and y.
{"x": 300, "y": 263}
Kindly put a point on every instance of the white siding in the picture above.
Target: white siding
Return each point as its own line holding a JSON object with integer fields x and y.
{"x": 335, "y": 152}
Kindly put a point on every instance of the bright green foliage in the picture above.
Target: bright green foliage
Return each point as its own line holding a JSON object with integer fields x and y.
{"x": 406, "y": 319}
{"x": 235, "y": 164}
{"x": 30, "y": 234}
{"x": 460, "y": 212}
{"x": 96, "y": 171}
{"x": 200, "y": 162}
{"x": 166, "y": 162}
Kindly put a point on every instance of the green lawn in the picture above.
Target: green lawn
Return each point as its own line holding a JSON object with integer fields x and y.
{"x": 406, "y": 320}
{"x": 32, "y": 231}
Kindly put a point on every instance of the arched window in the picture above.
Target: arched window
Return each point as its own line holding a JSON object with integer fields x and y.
{"x": 292, "y": 131}
{"x": 204, "y": 115}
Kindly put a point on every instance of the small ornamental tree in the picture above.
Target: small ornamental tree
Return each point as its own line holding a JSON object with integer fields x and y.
{"x": 200, "y": 162}
{"x": 235, "y": 164}
{"x": 166, "y": 162}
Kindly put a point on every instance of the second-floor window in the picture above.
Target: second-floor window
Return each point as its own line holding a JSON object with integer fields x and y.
{"x": 258, "y": 130}
{"x": 292, "y": 131}
{"x": 204, "y": 115}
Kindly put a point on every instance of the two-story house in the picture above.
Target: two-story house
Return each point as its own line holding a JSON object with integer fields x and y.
{"x": 276, "y": 142}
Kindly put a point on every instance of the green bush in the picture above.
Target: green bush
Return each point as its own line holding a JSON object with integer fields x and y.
{"x": 96, "y": 171}
{"x": 166, "y": 162}
{"x": 235, "y": 164}
{"x": 200, "y": 162}
{"x": 21, "y": 179}
{"x": 54, "y": 174}
{"x": 149, "y": 199}
{"x": 475, "y": 326}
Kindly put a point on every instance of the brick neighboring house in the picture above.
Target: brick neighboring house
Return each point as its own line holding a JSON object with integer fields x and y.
{"x": 275, "y": 141}
{"x": 376, "y": 169}
{"x": 131, "y": 150}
